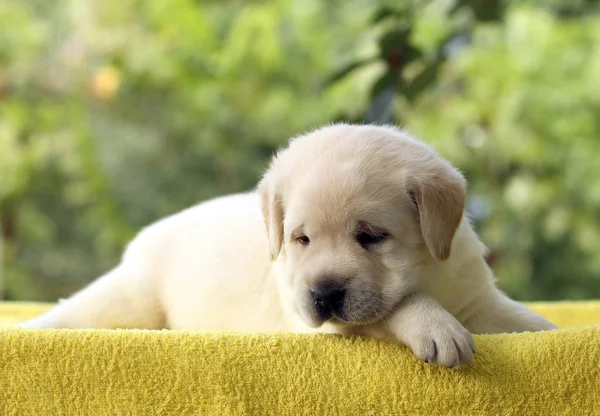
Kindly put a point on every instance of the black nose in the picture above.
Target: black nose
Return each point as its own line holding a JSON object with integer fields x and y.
{"x": 328, "y": 298}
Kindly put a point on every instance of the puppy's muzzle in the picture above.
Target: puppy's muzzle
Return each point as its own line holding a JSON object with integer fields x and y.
{"x": 328, "y": 299}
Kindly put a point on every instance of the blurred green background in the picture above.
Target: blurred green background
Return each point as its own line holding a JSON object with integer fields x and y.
{"x": 116, "y": 113}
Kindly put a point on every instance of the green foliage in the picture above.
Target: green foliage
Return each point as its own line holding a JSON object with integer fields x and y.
{"x": 524, "y": 126}
{"x": 116, "y": 113}
{"x": 516, "y": 107}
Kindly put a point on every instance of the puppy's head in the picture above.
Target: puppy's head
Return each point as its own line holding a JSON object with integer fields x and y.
{"x": 354, "y": 211}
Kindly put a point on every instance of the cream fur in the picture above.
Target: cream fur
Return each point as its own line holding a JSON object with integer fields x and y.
{"x": 425, "y": 285}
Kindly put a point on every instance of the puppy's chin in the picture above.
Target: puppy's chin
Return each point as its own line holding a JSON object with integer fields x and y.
{"x": 315, "y": 319}
{"x": 349, "y": 318}
{"x": 310, "y": 316}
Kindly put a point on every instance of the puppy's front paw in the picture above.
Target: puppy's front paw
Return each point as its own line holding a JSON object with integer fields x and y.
{"x": 446, "y": 343}
{"x": 433, "y": 334}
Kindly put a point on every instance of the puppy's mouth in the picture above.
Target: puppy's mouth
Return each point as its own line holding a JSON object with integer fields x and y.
{"x": 350, "y": 309}
{"x": 328, "y": 315}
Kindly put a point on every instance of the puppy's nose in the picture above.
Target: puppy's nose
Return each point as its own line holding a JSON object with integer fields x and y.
{"x": 328, "y": 298}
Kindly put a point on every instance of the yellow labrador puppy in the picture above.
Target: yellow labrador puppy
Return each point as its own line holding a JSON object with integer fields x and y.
{"x": 365, "y": 234}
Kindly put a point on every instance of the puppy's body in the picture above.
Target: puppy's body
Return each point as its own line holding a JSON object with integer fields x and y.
{"x": 206, "y": 267}
{"x": 364, "y": 210}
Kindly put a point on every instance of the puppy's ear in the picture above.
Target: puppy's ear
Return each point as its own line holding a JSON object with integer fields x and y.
{"x": 271, "y": 205}
{"x": 440, "y": 198}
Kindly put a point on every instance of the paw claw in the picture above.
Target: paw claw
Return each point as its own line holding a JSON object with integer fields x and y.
{"x": 449, "y": 345}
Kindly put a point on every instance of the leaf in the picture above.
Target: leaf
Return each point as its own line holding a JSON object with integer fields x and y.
{"x": 404, "y": 11}
{"x": 412, "y": 54}
{"x": 421, "y": 81}
{"x": 341, "y": 73}
{"x": 396, "y": 39}
{"x": 387, "y": 79}
{"x": 384, "y": 13}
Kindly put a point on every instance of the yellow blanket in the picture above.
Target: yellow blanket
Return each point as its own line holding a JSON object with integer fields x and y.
{"x": 127, "y": 372}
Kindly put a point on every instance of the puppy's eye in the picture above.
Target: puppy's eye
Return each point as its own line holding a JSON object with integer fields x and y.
{"x": 302, "y": 239}
{"x": 366, "y": 239}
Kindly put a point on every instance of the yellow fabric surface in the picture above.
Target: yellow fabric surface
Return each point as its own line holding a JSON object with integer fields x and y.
{"x": 135, "y": 372}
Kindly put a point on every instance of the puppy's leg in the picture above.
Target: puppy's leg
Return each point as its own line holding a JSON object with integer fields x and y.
{"x": 122, "y": 298}
{"x": 433, "y": 334}
{"x": 500, "y": 314}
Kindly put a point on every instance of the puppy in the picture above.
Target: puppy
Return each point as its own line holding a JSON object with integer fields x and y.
{"x": 365, "y": 234}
